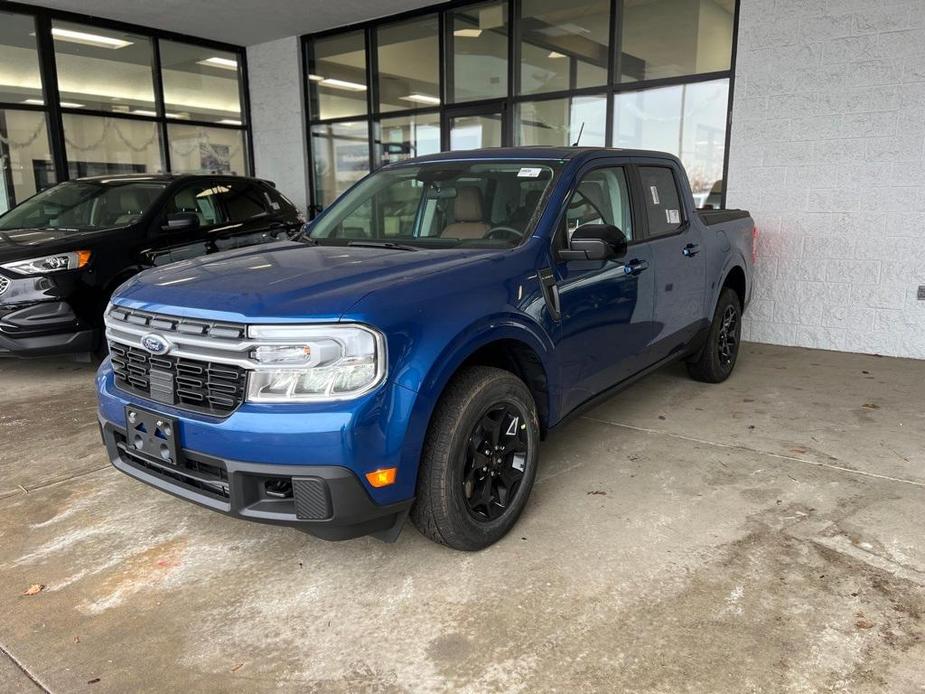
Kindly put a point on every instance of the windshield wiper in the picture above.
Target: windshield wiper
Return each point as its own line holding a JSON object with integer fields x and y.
{"x": 391, "y": 245}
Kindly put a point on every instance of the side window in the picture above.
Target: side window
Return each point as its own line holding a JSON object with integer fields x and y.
{"x": 602, "y": 197}
{"x": 244, "y": 201}
{"x": 663, "y": 203}
{"x": 201, "y": 198}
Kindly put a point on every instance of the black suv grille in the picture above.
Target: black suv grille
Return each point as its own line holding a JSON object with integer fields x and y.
{"x": 203, "y": 386}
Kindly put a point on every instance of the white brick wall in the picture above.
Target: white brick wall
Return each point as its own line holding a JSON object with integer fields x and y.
{"x": 828, "y": 153}
{"x": 277, "y": 114}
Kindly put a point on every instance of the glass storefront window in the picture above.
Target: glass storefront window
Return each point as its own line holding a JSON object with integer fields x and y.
{"x": 686, "y": 120}
{"x": 20, "y": 81}
{"x": 200, "y": 83}
{"x": 668, "y": 38}
{"x": 565, "y": 44}
{"x": 556, "y": 122}
{"x": 337, "y": 76}
{"x": 98, "y": 146}
{"x": 199, "y": 149}
{"x": 409, "y": 64}
{"x": 25, "y": 159}
{"x": 475, "y": 132}
{"x": 479, "y": 36}
{"x": 406, "y": 137}
{"x": 340, "y": 156}
{"x": 103, "y": 69}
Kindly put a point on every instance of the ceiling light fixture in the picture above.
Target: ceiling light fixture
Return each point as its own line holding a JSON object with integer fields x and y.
{"x": 343, "y": 84}
{"x": 555, "y": 54}
{"x": 223, "y": 63}
{"x": 316, "y": 78}
{"x": 468, "y": 33}
{"x": 63, "y": 104}
{"x": 153, "y": 114}
{"x": 86, "y": 39}
{"x": 421, "y": 99}
{"x": 229, "y": 121}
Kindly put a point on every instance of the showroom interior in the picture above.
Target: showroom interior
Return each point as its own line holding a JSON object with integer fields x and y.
{"x": 756, "y": 535}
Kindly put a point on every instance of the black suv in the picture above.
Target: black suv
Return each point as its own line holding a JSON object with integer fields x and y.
{"x": 64, "y": 251}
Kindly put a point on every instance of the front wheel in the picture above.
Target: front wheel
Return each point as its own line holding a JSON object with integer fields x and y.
{"x": 479, "y": 460}
{"x": 718, "y": 357}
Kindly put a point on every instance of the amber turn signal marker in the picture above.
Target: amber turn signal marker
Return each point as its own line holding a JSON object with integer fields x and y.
{"x": 83, "y": 257}
{"x": 382, "y": 478}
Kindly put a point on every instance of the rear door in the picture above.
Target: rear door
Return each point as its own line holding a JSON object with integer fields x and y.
{"x": 253, "y": 215}
{"x": 199, "y": 198}
{"x": 676, "y": 246}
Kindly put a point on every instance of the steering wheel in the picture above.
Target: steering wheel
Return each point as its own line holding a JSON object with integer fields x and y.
{"x": 504, "y": 233}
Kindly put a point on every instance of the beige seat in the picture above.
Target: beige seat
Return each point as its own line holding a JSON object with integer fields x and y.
{"x": 467, "y": 211}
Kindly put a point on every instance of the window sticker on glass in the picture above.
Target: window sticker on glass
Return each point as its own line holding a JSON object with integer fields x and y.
{"x": 654, "y": 191}
{"x": 673, "y": 216}
{"x": 529, "y": 172}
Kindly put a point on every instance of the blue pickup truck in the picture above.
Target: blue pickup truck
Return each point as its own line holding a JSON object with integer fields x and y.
{"x": 409, "y": 351}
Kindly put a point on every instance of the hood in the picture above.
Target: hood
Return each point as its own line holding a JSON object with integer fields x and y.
{"x": 285, "y": 281}
{"x": 20, "y": 244}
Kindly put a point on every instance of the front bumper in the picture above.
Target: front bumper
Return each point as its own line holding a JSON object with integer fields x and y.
{"x": 323, "y": 451}
{"x": 326, "y": 501}
{"x": 43, "y": 328}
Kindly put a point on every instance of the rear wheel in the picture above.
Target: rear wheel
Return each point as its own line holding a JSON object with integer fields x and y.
{"x": 718, "y": 357}
{"x": 479, "y": 460}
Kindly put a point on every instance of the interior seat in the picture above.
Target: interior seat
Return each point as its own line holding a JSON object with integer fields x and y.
{"x": 467, "y": 211}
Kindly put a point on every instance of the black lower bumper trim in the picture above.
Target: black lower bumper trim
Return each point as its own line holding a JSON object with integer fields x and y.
{"x": 327, "y": 501}
{"x": 48, "y": 345}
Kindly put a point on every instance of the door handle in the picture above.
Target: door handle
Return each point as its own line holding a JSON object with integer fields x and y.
{"x": 690, "y": 250}
{"x": 634, "y": 267}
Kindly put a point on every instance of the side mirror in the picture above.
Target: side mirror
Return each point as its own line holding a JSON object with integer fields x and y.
{"x": 181, "y": 221}
{"x": 595, "y": 242}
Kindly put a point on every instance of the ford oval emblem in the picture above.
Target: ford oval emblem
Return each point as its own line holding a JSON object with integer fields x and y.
{"x": 155, "y": 344}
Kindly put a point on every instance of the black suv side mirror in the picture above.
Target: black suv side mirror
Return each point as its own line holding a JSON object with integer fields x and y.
{"x": 181, "y": 221}
{"x": 595, "y": 242}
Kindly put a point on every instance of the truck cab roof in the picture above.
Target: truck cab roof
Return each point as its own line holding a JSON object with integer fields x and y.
{"x": 538, "y": 153}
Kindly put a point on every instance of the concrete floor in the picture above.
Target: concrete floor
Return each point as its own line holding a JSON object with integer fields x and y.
{"x": 761, "y": 535}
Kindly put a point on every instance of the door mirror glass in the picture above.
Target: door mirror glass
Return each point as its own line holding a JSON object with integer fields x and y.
{"x": 181, "y": 221}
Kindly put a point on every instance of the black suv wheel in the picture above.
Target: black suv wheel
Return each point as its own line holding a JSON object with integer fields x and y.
{"x": 718, "y": 357}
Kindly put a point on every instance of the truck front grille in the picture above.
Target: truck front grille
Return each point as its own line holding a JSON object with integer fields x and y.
{"x": 202, "y": 386}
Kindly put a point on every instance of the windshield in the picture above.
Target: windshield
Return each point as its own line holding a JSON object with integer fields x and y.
{"x": 83, "y": 205}
{"x": 439, "y": 204}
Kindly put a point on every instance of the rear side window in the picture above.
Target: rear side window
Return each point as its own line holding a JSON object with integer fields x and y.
{"x": 663, "y": 202}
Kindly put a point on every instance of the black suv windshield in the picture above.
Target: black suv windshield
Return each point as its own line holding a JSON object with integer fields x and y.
{"x": 83, "y": 205}
{"x": 440, "y": 204}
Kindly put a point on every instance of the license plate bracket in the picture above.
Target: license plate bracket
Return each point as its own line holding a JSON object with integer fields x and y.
{"x": 152, "y": 434}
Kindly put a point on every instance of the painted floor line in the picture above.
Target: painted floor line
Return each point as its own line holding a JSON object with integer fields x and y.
{"x": 740, "y": 447}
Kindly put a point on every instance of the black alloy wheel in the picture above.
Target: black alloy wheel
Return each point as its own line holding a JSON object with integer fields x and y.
{"x": 728, "y": 336}
{"x": 494, "y": 462}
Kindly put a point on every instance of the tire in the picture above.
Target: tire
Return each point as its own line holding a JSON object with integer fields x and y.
{"x": 452, "y": 506}
{"x": 717, "y": 358}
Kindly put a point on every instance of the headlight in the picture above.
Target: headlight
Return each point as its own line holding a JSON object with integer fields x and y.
{"x": 50, "y": 263}
{"x": 312, "y": 363}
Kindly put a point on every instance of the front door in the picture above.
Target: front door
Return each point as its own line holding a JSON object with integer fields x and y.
{"x": 606, "y": 307}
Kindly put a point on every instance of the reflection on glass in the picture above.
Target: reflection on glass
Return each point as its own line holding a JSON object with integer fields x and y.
{"x": 565, "y": 44}
{"x": 479, "y": 36}
{"x": 103, "y": 69}
{"x": 337, "y": 75}
{"x": 686, "y": 120}
{"x": 340, "y": 158}
{"x": 406, "y": 137}
{"x": 20, "y": 81}
{"x": 98, "y": 146}
{"x": 667, "y": 38}
{"x": 558, "y": 122}
{"x": 198, "y": 149}
{"x": 200, "y": 83}
{"x": 409, "y": 75}
{"x": 474, "y": 132}
{"x": 25, "y": 160}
